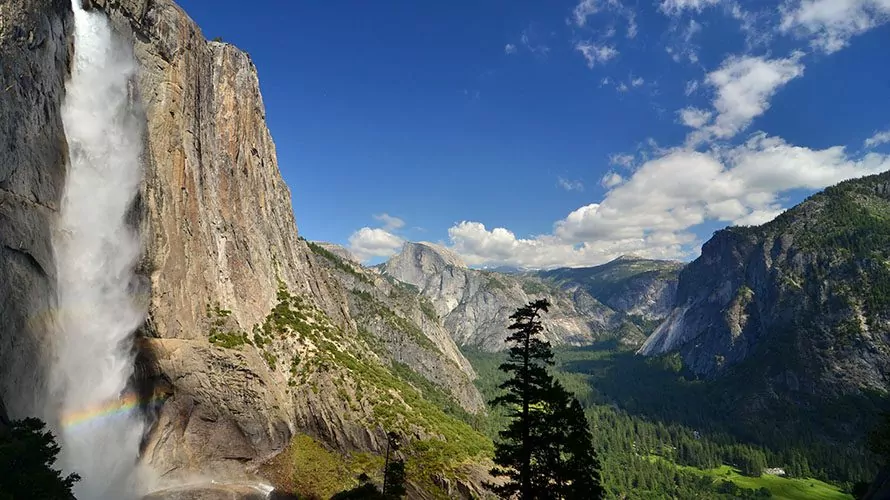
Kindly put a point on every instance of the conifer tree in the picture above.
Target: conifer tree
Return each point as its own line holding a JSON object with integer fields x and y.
{"x": 526, "y": 391}
{"x": 27, "y": 456}
{"x": 546, "y": 451}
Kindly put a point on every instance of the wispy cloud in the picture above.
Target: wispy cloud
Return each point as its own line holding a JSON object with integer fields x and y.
{"x": 570, "y": 185}
{"x": 390, "y": 223}
{"x": 535, "y": 48}
{"x": 584, "y": 10}
{"x": 691, "y": 87}
{"x": 595, "y": 54}
{"x": 830, "y": 24}
{"x": 878, "y": 139}
{"x": 611, "y": 180}
{"x": 509, "y": 49}
{"x": 676, "y": 7}
{"x": 622, "y": 160}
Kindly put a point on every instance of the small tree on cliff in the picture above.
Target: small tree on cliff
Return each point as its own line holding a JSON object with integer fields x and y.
{"x": 546, "y": 451}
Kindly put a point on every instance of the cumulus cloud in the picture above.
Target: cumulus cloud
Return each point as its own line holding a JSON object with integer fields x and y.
{"x": 653, "y": 212}
{"x": 829, "y": 24}
{"x": 594, "y": 53}
{"x": 694, "y": 117}
{"x": 743, "y": 87}
{"x": 367, "y": 243}
{"x": 676, "y": 7}
{"x": 878, "y": 139}
{"x": 636, "y": 82}
{"x": 509, "y": 49}
{"x": 390, "y": 223}
{"x": 570, "y": 185}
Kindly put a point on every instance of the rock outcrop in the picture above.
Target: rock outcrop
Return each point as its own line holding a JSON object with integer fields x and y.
{"x": 801, "y": 302}
{"x": 34, "y": 48}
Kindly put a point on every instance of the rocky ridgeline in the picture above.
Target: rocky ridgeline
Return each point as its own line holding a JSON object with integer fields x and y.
{"x": 621, "y": 300}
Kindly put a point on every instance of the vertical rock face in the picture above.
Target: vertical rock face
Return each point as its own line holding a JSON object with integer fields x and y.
{"x": 800, "y": 303}
{"x": 34, "y": 50}
{"x": 219, "y": 224}
{"x": 219, "y": 232}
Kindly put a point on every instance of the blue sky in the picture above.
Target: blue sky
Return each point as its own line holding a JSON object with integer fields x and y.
{"x": 561, "y": 132}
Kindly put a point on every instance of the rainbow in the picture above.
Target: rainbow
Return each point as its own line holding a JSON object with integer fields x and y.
{"x": 107, "y": 410}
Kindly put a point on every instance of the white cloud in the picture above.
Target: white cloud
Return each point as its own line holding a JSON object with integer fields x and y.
{"x": 652, "y": 213}
{"x": 594, "y": 53}
{"x": 570, "y": 185}
{"x": 831, "y": 23}
{"x": 587, "y": 8}
{"x": 509, "y": 49}
{"x": 367, "y": 243}
{"x": 744, "y": 86}
{"x": 878, "y": 139}
{"x": 584, "y": 10}
{"x": 623, "y": 160}
{"x": 676, "y": 7}
{"x": 622, "y": 87}
{"x": 694, "y": 117}
{"x": 390, "y": 223}
{"x": 636, "y": 82}
{"x": 691, "y": 87}
{"x": 632, "y": 28}
{"x": 611, "y": 180}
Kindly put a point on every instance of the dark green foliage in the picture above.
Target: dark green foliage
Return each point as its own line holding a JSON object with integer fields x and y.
{"x": 395, "y": 480}
{"x": 375, "y": 307}
{"x": 642, "y": 408}
{"x": 431, "y": 392}
{"x": 219, "y": 333}
{"x": 428, "y": 310}
{"x": 393, "y": 469}
{"x": 365, "y": 491}
{"x": 27, "y": 455}
{"x": 535, "y": 453}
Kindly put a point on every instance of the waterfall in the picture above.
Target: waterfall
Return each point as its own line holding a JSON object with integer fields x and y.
{"x": 96, "y": 251}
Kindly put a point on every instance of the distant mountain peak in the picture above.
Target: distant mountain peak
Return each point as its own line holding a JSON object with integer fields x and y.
{"x": 426, "y": 249}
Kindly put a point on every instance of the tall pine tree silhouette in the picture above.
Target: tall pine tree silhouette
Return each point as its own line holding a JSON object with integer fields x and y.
{"x": 546, "y": 450}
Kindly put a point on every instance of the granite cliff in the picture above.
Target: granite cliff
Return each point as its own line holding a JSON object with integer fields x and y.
{"x": 799, "y": 303}
{"x": 251, "y": 337}
{"x": 34, "y": 47}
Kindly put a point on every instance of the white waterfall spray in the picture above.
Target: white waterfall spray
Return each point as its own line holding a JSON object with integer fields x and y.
{"x": 96, "y": 251}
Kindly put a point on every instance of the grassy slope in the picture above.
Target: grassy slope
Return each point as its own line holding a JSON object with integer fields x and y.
{"x": 781, "y": 488}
